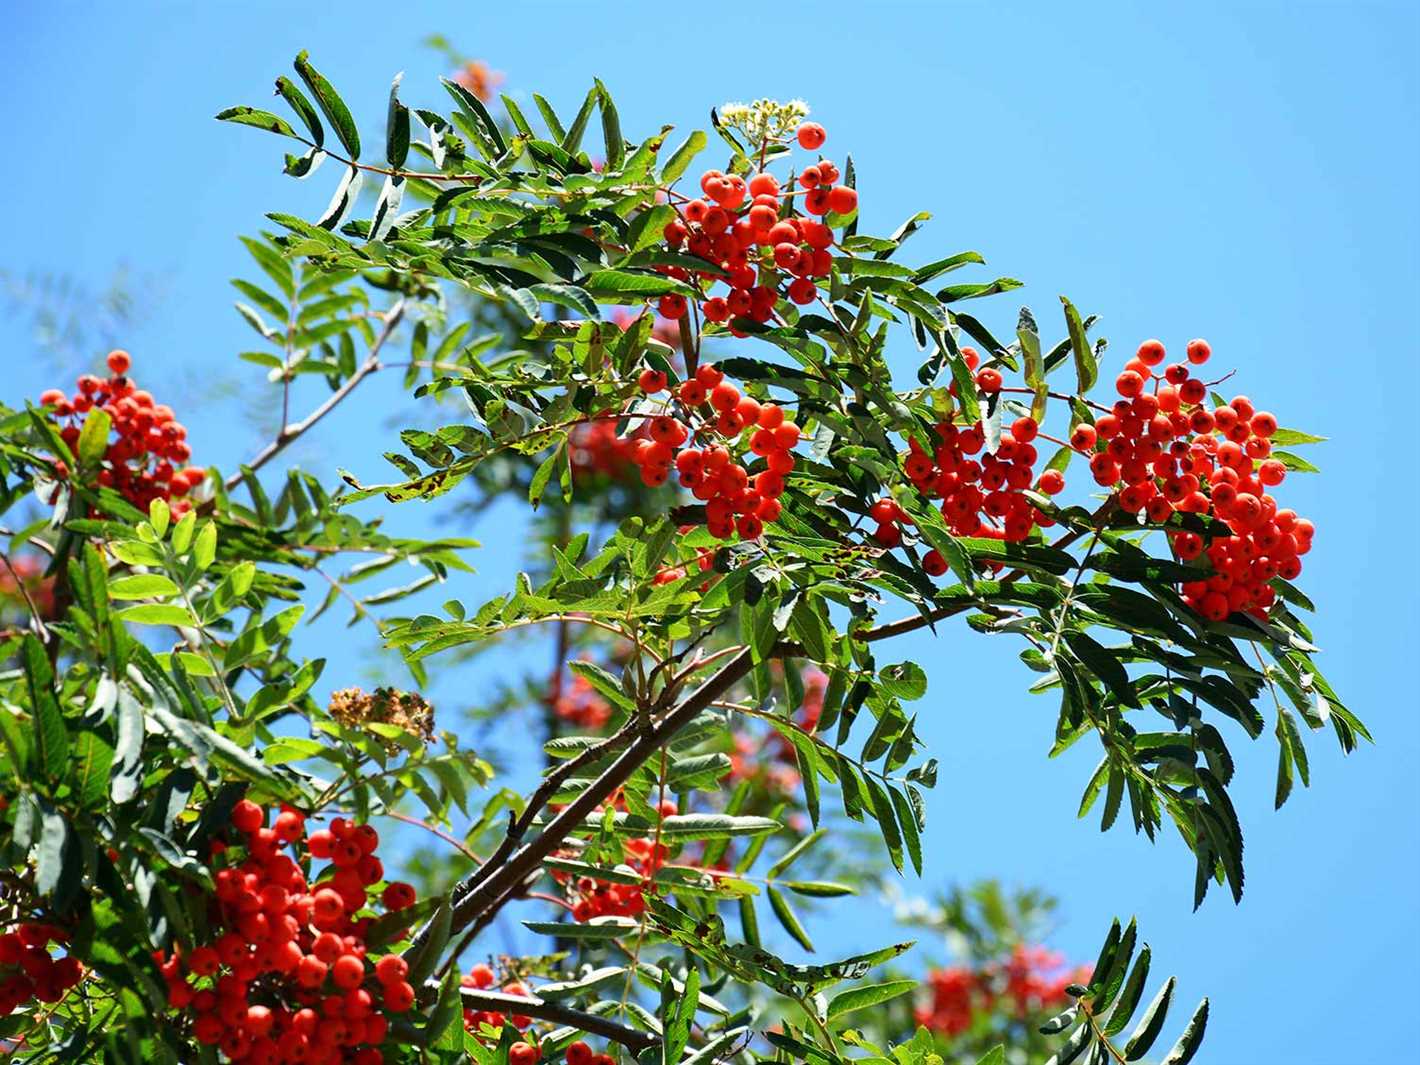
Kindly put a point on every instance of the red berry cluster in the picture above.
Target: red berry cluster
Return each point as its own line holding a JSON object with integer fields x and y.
{"x": 591, "y": 897}
{"x": 579, "y": 1053}
{"x": 481, "y": 976}
{"x": 756, "y": 242}
{"x": 735, "y": 500}
{"x": 580, "y": 705}
{"x": 286, "y": 976}
{"x": 600, "y": 898}
{"x": 142, "y": 462}
{"x": 25, "y": 577}
{"x": 1029, "y": 980}
{"x": 980, "y": 497}
{"x": 704, "y": 562}
{"x": 1171, "y": 452}
{"x": 28, "y": 971}
{"x": 596, "y": 451}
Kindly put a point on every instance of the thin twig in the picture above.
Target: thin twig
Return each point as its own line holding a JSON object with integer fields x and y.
{"x": 290, "y": 433}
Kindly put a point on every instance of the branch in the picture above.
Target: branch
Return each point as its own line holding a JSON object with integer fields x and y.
{"x": 481, "y": 894}
{"x": 532, "y": 1006}
{"x": 917, "y": 621}
{"x": 291, "y": 432}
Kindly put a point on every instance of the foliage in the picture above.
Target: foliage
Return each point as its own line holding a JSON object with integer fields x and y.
{"x": 162, "y": 681}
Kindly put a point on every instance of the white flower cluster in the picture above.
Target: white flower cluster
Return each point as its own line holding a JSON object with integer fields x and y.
{"x": 764, "y": 120}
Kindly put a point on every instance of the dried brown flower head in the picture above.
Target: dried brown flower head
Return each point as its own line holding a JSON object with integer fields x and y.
{"x": 407, "y": 711}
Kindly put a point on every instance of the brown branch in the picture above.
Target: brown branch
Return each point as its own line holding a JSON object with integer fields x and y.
{"x": 532, "y": 1006}
{"x": 499, "y": 881}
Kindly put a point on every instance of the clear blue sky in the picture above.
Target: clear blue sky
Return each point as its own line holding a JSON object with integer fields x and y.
{"x": 1243, "y": 172}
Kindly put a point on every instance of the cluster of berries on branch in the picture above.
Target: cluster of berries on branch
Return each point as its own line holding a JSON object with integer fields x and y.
{"x": 1029, "y": 980}
{"x": 591, "y": 897}
{"x": 286, "y": 975}
{"x": 482, "y": 977}
{"x": 705, "y": 446}
{"x": 28, "y": 971}
{"x": 490, "y": 1022}
{"x": 145, "y": 458}
{"x": 579, "y": 704}
{"x": 755, "y": 240}
{"x": 983, "y": 497}
{"x": 1164, "y": 449}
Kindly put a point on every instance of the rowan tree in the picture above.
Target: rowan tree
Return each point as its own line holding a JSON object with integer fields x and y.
{"x": 685, "y": 376}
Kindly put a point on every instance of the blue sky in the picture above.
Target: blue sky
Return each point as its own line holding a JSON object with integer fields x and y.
{"x": 1244, "y": 172}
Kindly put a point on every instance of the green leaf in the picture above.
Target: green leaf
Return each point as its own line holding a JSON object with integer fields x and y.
{"x": 93, "y": 758}
{"x": 543, "y": 475}
{"x": 396, "y": 127}
{"x": 474, "y": 108}
{"x": 611, "y": 129}
{"x": 646, "y": 228}
{"x": 204, "y": 549}
{"x": 680, "y": 159}
{"x": 1293, "y": 437}
{"x": 794, "y": 853}
{"x": 250, "y": 116}
{"x": 50, "y": 852}
{"x": 330, "y": 104}
{"x": 1192, "y": 1037}
{"x": 51, "y": 736}
{"x": 1151, "y": 1024}
{"x": 157, "y": 614}
{"x": 858, "y": 998}
{"x": 906, "y": 680}
{"x": 142, "y": 586}
{"x": 229, "y": 592}
{"x": 598, "y": 928}
{"x": 1129, "y": 996}
{"x": 1029, "y": 338}
{"x": 715, "y": 826}
{"x": 93, "y": 437}
{"x": 573, "y": 140}
{"x": 788, "y": 918}
{"x": 1086, "y": 369}
{"x": 288, "y": 91}
{"x": 618, "y": 283}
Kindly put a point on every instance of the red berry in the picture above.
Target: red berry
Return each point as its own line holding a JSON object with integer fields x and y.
{"x": 1052, "y": 482}
{"x": 989, "y": 380}
{"x": 482, "y": 976}
{"x": 842, "y": 199}
{"x": 1198, "y": 351}
{"x": 1024, "y": 429}
{"x": 247, "y": 816}
{"x": 119, "y": 362}
{"x": 1151, "y": 353}
{"x": 812, "y": 136}
{"x": 398, "y": 896}
{"x": 398, "y": 997}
